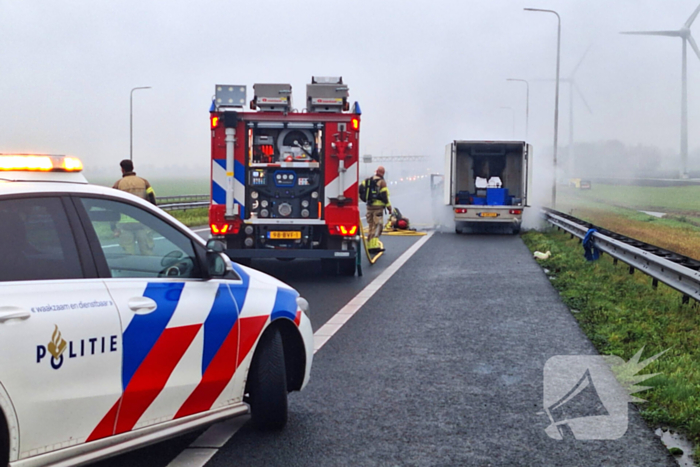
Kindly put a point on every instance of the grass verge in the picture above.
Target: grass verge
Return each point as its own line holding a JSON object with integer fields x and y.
{"x": 192, "y": 217}
{"x": 675, "y": 233}
{"x": 621, "y": 313}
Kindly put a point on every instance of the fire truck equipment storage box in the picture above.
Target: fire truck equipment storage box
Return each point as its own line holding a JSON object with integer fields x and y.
{"x": 324, "y": 95}
{"x": 273, "y": 97}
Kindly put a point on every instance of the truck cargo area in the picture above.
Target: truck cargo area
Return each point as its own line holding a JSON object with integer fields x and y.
{"x": 487, "y": 181}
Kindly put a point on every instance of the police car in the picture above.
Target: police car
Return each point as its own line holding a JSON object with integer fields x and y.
{"x": 120, "y": 327}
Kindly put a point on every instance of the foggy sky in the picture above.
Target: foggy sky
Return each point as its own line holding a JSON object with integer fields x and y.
{"x": 424, "y": 72}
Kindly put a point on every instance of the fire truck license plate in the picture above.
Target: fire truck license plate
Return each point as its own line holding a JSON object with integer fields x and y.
{"x": 488, "y": 214}
{"x": 284, "y": 235}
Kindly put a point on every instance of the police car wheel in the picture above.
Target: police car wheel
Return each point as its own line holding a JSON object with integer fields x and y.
{"x": 4, "y": 442}
{"x": 267, "y": 384}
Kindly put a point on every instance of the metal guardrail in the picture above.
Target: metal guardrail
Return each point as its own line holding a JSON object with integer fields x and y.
{"x": 676, "y": 271}
{"x": 183, "y": 202}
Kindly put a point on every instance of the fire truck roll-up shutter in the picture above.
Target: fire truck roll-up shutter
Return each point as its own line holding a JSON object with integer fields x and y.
{"x": 231, "y": 208}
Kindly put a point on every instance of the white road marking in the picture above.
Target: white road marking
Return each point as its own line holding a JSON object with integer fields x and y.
{"x": 333, "y": 325}
{"x": 206, "y": 446}
{"x": 218, "y": 435}
{"x": 193, "y": 457}
{"x": 200, "y": 230}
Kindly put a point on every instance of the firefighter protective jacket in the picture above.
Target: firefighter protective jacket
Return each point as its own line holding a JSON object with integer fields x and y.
{"x": 136, "y": 186}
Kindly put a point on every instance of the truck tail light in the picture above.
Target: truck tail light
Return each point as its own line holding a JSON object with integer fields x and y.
{"x": 344, "y": 230}
{"x": 355, "y": 124}
{"x": 460, "y": 210}
{"x": 214, "y": 122}
{"x": 221, "y": 229}
{"x": 516, "y": 211}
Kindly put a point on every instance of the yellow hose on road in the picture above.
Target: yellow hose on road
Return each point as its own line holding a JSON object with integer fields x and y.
{"x": 370, "y": 258}
{"x": 401, "y": 233}
{"x": 404, "y": 233}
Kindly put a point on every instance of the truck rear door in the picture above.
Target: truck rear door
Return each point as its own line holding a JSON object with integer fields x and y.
{"x": 450, "y": 173}
{"x": 527, "y": 172}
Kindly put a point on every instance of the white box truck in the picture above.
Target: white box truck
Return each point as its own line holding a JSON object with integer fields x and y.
{"x": 488, "y": 182}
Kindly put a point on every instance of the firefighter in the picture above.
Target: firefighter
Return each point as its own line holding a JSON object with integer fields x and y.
{"x": 135, "y": 185}
{"x": 130, "y": 231}
{"x": 375, "y": 193}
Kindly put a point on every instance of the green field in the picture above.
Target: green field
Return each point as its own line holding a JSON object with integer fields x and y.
{"x": 682, "y": 200}
{"x": 192, "y": 217}
{"x": 167, "y": 187}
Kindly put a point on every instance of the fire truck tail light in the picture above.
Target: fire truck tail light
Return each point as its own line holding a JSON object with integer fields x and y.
{"x": 346, "y": 230}
{"x": 221, "y": 229}
{"x": 460, "y": 210}
{"x": 516, "y": 211}
{"x": 214, "y": 122}
{"x": 355, "y": 124}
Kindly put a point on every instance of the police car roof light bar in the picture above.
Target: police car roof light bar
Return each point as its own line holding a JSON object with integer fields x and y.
{"x": 39, "y": 163}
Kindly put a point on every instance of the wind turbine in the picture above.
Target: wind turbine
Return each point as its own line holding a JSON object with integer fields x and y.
{"x": 683, "y": 33}
{"x": 573, "y": 88}
{"x": 571, "y": 80}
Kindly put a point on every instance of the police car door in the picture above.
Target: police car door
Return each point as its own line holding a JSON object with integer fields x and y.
{"x": 60, "y": 335}
{"x": 174, "y": 321}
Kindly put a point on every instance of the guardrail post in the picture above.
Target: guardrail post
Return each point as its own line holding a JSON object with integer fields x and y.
{"x": 631, "y": 270}
{"x": 655, "y": 283}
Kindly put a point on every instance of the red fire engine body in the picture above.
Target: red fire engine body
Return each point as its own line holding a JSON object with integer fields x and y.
{"x": 284, "y": 183}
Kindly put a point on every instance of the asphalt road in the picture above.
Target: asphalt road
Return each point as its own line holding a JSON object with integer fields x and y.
{"x": 442, "y": 366}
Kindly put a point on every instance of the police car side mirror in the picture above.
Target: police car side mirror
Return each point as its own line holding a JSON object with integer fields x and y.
{"x": 215, "y": 245}
{"x": 217, "y": 266}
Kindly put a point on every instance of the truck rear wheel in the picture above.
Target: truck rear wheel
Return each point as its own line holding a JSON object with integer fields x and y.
{"x": 267, "y": 384}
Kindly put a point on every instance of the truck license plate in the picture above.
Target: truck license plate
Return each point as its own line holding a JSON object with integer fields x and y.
{"x": 488, "y": 214}
{"x": 284, "y": 235}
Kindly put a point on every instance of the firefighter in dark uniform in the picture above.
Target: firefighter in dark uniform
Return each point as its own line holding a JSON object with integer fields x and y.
{"x": 375, "y": 193}
{"x": 130, "y": 231}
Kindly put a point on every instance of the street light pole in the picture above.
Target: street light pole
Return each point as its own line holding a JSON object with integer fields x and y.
{"x": 512, "y": 135}
{"x": 131, "y": 120}
{"x": 527, "y": 104}
{"x": 556, "y": 103}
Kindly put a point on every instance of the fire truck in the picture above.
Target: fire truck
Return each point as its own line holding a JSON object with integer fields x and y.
{"x": 284, "y": 181}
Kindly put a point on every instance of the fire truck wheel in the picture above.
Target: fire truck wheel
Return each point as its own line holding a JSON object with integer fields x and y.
{"x": 267, "y": 383}
{"x": 346, "y": 267}
{"x": 329, "y": 267}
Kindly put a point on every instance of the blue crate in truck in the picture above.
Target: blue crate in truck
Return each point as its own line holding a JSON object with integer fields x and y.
{"x": 463, "y": 197}
{"x": 497, "y": 196}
